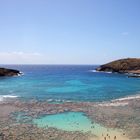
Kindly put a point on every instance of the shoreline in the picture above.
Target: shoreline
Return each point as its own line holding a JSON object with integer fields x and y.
{"x": 9, "y": 97}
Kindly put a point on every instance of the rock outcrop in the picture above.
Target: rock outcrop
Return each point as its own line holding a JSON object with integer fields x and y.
{"x": 9, "y": 72}
{"x": 129, "y": 65}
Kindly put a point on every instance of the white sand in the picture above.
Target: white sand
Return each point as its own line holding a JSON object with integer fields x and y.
{"x": 110, "y": 135}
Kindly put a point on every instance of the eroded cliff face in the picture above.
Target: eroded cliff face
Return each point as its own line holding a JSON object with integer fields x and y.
{"x": 129, "y": 65}
{"x": 9, "y": 72}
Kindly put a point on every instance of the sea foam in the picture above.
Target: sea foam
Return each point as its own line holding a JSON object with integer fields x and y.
{"x": 128, "y": 98}
{"x": 3, "y": 97}
{"x": 100, "y": 71}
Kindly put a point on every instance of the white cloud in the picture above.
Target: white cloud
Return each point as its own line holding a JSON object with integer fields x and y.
{"x": 20, "y": 58}
{"x": 125, "y": 33}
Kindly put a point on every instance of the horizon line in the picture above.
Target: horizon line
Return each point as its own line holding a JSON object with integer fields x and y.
{"x": 50, "y": 64}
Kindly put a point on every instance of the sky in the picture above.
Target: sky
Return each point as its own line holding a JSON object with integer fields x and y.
{"x": 68, "y": 31}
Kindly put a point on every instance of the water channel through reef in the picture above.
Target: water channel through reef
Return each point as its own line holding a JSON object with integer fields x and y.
{"x": 77, "y": 121}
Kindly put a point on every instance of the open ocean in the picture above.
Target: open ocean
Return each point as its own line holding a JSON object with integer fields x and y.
{"x": 67, "y": 83}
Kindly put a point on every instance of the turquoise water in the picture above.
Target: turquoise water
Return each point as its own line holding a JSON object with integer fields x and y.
{"x": 66, "y": 121}
{"x": 72, "y": 121}
{"x": 67, "y": 83}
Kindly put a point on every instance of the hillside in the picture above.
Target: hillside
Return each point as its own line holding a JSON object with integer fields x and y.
{"x": 128, "y": 65}
{"x": 8, "y": 72}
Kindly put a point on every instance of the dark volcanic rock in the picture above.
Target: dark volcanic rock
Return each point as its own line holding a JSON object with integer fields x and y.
{"x": 129, "y": 65}
{"x": 9, "y": 72}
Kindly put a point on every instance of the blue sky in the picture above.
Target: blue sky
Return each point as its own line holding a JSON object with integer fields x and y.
{"x": 68, "y": 31}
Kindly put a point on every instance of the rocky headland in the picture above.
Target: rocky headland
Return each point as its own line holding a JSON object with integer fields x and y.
{"x": 128, "y": 65}
{"x": 9, "y": 72}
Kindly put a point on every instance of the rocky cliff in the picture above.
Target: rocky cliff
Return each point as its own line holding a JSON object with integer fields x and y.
{"x": 9, "y": 72}
{"x": 129, "y": 65}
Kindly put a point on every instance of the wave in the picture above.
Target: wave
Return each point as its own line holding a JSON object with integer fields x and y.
{"x": 58, "y": 100}
{"x": 3, "y": 97}
{"x": 128, "y": 98}
{"x": 113, "y": 104}
{"x": 120, "y": 102}
{"x": 93, "y": 71}
{"x": 20, "y": 74}
{"x": 100, "y": 71}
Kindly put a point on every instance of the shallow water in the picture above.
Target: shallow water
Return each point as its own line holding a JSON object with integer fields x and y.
{"x": 73, "y": 121}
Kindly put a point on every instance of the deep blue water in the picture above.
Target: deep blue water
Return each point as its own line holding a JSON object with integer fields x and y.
{"x": 67, "y": 82}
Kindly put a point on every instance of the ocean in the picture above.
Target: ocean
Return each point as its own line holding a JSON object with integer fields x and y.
{"x": 60, "y": 83}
